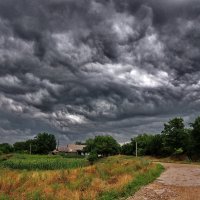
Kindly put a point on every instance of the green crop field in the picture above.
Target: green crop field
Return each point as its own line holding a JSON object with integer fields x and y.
{"x": 41, "y": 162}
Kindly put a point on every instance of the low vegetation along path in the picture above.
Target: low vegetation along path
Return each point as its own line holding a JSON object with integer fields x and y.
{"x": 178, "y": 182}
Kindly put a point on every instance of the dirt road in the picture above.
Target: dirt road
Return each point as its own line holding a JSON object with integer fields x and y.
{"x": 178, "y": 182}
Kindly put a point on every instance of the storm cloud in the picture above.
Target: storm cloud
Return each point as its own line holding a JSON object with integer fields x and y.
{"x": 80, "y": 68}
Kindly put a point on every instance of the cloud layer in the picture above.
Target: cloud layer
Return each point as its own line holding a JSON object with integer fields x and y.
{"x": 83, "y": 68}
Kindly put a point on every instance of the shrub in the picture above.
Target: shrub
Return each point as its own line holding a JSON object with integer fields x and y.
{"x": 92, "y": 157}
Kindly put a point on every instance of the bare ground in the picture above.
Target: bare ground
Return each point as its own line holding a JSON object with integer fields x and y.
{"x": 178, "y": 182}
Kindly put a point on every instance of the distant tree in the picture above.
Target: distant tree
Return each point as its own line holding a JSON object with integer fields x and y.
{"x": 104, "y": 145}
{"x": 44, "y": 143}
{"x": 6, "y": 148}
{"x": 26, "y": 146}
{"x": 20, "y": 146}
{"x": 143, "y": 143}
{"x": 31, "y": 146}
{"x": 156, "y": 147}
{"x": 128, "y": 149}
{"x": 195, "y": 138}
{"x": 175, "y": 136}
{"x": 90, "y": 145}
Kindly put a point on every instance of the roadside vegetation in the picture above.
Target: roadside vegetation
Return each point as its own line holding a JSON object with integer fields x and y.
{"x": 175, "y": 141}
{"x": 109, "y": 178}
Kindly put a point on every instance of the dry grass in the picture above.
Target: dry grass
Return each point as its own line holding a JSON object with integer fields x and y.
{"x": 74, "y": 184}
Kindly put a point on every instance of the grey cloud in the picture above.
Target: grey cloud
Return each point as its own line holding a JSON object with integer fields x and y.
{"x": 82, "y": 68}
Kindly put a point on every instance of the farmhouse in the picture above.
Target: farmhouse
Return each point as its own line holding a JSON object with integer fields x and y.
{"x": 70, "y": 149}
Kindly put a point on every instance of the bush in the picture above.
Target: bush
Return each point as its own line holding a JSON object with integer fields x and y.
{"x": 6, "y": 148}
{"x": 92, "y": 157}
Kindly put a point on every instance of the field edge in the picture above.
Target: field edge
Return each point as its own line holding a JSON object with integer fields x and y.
{"x": 139, "y": 181}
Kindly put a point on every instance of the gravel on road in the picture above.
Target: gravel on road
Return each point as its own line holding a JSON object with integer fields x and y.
{"x": 177, "y": 182}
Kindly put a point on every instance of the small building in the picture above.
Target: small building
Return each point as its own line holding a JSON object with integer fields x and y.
{"x": 70, "y": 149}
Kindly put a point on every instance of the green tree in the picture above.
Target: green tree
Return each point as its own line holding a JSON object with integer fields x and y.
{"x": 24, "y": 147}
{"x": 6, "y": 148}
{"x": 104, "y": 145}
{"x": 143, "y": 144}
{"x": 90, "y": 146}
{"x": 44, "y": 143}
{"x": 20, "y": 146}
{"x": 31, "y": 146}
{"x": 175, "y": 136}
{"x": 92, "y": 157}
{"x": 195, "y": 138}
{"x": 128, "y": 149}
{"x": 156, "y": 147}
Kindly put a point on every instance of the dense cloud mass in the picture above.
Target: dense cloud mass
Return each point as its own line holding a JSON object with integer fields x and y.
{"x": 80, "y": 68}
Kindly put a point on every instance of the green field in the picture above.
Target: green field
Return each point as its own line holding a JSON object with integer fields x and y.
{"x": 41, "y": 162}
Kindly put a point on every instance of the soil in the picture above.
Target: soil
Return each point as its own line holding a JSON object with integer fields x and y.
{"x": 177, "y": 182}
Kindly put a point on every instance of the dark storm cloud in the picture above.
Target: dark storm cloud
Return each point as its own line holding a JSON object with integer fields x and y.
{"x": 83, "y": 68}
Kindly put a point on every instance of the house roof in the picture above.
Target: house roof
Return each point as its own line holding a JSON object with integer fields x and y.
{"x": 73, "y": 148}
{"x": 62, "y": 148}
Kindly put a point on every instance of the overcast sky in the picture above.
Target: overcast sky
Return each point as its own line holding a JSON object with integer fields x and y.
{"x": 80, "y": 68}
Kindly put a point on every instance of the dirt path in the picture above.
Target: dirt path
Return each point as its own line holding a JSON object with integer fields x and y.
{"x": 178, "y": 182}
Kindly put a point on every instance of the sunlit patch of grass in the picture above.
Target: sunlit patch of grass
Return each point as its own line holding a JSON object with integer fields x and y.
{"x": 134, "y": 185}
{"x": 103, "y": 179}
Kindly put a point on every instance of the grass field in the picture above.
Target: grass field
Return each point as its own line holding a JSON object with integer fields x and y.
{"x": 42, "y": 162}
{"x": 109, "y": 178}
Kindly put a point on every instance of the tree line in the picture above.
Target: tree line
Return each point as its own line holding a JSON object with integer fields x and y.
{"x": 43, "y": 143}
{"x": 175, "y": 139}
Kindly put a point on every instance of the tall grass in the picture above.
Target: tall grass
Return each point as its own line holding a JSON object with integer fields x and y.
{"x": 129, "y": 189}
{"x": 109, "y": 178}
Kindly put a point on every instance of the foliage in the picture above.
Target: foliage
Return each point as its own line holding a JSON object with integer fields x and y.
{"x": 175, "y": 136}
{"x": 6, "y": 148}
{"x": 43, "y": 143}
{"x": 128, "y": 149}
{"x": 195, "y": 138}
{"x": 156, "y": 146}
{"x": 175, "y": 139}
{"x": 21, "y": 147}
{"x": 93, "y": 156}
{"x": 103, "y": 145}
{"x": 26, "y": 146}
{"x": 143, "y": 143}
{"x": 147, "y": 145}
